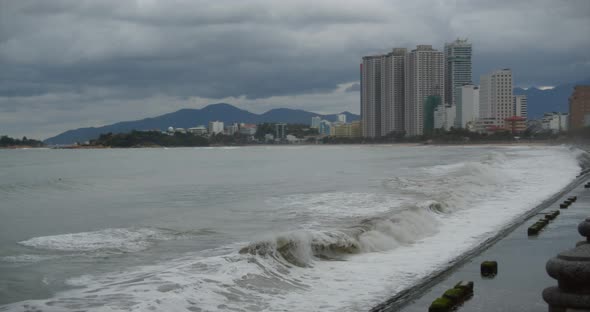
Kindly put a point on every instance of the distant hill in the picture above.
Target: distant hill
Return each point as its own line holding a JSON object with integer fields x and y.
{"x": 552, "y": 100}
{"x": 186, "y": 118}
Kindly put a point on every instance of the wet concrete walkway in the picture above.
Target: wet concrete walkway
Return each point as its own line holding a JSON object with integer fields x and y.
{"x": 521, "y": 263}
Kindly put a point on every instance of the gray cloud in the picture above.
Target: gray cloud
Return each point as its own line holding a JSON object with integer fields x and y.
{"x": 118, "y": 56}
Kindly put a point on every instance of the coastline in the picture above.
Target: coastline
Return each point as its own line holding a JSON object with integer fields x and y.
{"x": 404, "y": 300}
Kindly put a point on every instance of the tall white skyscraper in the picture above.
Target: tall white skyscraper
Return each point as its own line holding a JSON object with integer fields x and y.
{"x": 458, "y": 71}
{"x": 215, "y": 127}
{"x": 342, "y": 118}
{"x": 520, "y": 106}
{"x": 467, "y": 103}
{"x": 496, "y": 100}
{"x": 424, "y": 77}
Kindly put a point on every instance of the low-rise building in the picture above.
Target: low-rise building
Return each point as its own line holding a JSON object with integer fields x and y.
{"x": 555, "y": 121}
{"x": 515, "y": 124}
{"x": 199, "y": 130}
{"x": 347, "y": 130}
{"x": 231, "y": 129}
{"x": 487, "y": 125}
{"x": 248, "y": 129}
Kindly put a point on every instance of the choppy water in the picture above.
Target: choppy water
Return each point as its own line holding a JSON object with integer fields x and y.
{"x": 330, "y": 228}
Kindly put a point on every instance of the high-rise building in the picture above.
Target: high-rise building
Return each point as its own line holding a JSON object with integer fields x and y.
{"x": 424, "y": 77}
{"x": 496, "y": 100}
{"x": 520, "y": 106}
{"x": 215, "y": 127}
{"x": 371, "y": 95}
{"x": 392, "y": 91}
{"x": 382, "y": 93}
{"x": 467, "y": 105}
{"x": 341, "y": 118}
{"x": 325, "y": 127}
{"x": 315, "y": 122}
{"x": 580, "y": 107}
{"x": 280, "y": 131}
{"x": 457, "y": 68}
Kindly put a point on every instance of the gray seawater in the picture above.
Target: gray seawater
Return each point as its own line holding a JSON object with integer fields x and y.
{"x": 251, "y": 228}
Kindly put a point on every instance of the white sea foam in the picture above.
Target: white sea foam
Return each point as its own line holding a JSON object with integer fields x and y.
{"x": 455, "y": 208}
{"x": 121, "y": 240}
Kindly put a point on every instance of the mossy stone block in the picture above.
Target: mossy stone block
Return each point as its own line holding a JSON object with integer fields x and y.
{"x": 441, "y": 305}
{"x": 489, "y": 268}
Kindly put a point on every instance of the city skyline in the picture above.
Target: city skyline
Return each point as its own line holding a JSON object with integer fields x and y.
{"x": 129, "y": 60}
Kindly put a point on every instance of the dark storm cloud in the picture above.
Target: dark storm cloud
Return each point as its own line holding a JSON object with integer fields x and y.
{"x": 62, "y": 55}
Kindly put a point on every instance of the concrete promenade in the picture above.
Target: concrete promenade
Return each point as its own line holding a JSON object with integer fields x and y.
{"x": 521, "y": 264}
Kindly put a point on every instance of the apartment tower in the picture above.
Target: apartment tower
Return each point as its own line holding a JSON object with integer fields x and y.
{"x": 467, "y": 105}
{"x": 424, "y": 78}
{"x": 371, "y": 95}
{"x": 579, "y": 103}
{"x": 496, "y": 98}
{"x": 458, "y": 71}
{"x": 520, "y": 106}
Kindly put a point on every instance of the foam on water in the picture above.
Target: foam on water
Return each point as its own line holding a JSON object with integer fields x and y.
{"x": 434, "y": 217}
{"x": 114, "y": 240}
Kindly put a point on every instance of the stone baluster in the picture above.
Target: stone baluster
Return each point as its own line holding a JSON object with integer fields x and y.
{"x": 571, "y": 269}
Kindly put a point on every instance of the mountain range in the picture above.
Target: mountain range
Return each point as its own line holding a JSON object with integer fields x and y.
{"x": 186, "y": 118}
{"x": 539, "y": 102}
{"x": 549, "y": 100}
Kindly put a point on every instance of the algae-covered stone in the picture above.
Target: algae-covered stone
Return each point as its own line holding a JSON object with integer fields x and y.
{"x": 572, "y": 198}
{"x": 456, "y": 295}
{"x": 441, "y": 305}
{"x": 489, "y": 268}
{"x": 533, "y": 230}
{"x": 468, "y": 286}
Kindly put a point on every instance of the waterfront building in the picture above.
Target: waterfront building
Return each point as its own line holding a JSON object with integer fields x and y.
{"x": 486, "y": 125}
{"x": 349, "y": 130}
{"x": 341, "y": 118}
{"x": 315, "y": 122}
{"x": 371, "y": 95}
{"x": 515, "y": 124}
{"x": 520, "y": 106}
{"x": 496, "y": 98}
{"x": 555, "y": 121}
{"x": 458, "y": 69}
{"x": 248, "y": 129}
{"x": 392, "y": 92}
{"x": 467, "y": 105}
{"x": 199, "y": 130}
{"x": 579, "y": 105}
{"x": 325, "y": 127}
{"x": 444, "y": 117}
{"x": 382, "y": 93}
{"x": 424, "y": 77}
{"x": 215, "y": 127}
{"x": 231, "y": 129}
{"x": 280, "y": 131}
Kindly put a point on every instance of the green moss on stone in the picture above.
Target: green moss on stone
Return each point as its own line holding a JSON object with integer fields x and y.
{"x": 441, "y": 305}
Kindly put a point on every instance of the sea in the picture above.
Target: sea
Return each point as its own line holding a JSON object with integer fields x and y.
{"x": 256, "y": 228}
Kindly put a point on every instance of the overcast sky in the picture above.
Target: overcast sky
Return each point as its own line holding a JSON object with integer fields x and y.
{"x": 70, "y": 64}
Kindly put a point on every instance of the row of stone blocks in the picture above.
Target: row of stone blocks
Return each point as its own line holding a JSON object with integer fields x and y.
{"x": 571, "y": 269}
{"x": 539, "y": 225}
{"x": 452, "y": 298}
{"x": 566, "y": 203}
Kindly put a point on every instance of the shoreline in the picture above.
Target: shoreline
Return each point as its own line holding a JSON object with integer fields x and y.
{"x": 405, "y": 297}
